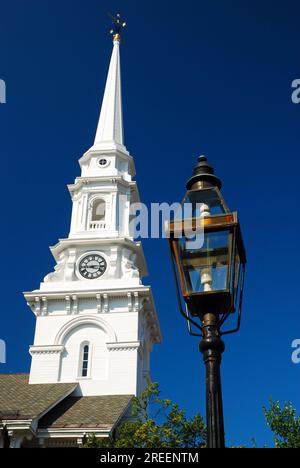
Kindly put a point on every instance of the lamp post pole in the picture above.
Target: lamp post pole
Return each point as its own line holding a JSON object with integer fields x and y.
{"x": 212, "y": 347}
{"x": 210, "y": 279}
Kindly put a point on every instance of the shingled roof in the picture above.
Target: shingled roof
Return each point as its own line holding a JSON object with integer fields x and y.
{"x": 55, "y": 407}
{"x": 19, "y": 400}
{"x": 88, "y": 412}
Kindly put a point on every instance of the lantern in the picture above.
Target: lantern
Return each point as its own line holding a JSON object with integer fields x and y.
{"x": 207, "y": 247}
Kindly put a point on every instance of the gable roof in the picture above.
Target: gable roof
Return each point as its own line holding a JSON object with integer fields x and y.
{"x": 88, "y": 412}
{"x": 19, "y": 400}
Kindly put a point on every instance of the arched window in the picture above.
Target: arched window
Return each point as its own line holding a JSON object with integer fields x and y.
{"x": 84, "y": 360}
{"x": 98, "y": 212}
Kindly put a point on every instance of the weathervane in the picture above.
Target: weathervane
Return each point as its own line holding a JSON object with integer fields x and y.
{"x": 117, "y": 26}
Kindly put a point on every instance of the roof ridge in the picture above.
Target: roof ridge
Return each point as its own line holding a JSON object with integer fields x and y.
{"x": 14, "y": 373}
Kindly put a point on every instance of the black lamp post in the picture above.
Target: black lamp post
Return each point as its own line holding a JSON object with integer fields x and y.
{"x": 208, "y": 258}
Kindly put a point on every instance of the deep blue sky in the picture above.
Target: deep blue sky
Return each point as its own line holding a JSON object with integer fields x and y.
{"x": 199, "y": 77}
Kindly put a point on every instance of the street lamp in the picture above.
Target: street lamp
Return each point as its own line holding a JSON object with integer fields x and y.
{"x": 208, "y": 258}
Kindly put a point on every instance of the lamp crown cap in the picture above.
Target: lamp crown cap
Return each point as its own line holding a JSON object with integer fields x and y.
{"x": 204, "y": 174}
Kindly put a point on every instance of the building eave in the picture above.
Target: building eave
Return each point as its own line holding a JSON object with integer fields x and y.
{"x": 82, "y": 181}
{"x": 72, "y": 432}
{"x": 115, "y": 292}
{"x": 19, "y": 425}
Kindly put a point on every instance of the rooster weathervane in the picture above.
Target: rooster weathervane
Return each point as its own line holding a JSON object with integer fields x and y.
{"x": 118, "y": 25}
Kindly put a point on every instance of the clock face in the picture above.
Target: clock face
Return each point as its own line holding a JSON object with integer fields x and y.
{"x": 92, "y": 266}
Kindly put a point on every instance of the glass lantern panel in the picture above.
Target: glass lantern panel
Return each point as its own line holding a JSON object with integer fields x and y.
{"x": 237, "y": 277}
{"x": 205, "y": 202}
{"x": 206, "y": 269}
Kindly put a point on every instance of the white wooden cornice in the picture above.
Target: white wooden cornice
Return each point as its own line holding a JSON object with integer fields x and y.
{"x": 126, "y": 346}
{"x": 52, "y": 349}
{"x": 82, "y": 181}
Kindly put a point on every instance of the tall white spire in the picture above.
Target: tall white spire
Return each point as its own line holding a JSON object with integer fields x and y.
{"x": 96, "y": 321}
{"x": 110, "y": 126}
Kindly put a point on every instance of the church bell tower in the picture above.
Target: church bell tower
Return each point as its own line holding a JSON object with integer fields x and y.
{"x": 96, "y": 322}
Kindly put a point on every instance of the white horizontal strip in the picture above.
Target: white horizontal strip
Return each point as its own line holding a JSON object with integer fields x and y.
{"x": 52, "y": 349}
{"x": 125, "y": 346}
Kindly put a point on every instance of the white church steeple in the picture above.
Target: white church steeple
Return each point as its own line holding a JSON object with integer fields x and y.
{"x": 96, "y": 321}
{"x": 110, "y": 126}
{"x": 110, "y": 133}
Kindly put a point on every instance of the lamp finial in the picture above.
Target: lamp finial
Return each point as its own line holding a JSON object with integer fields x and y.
{"x": 204, "y": 175}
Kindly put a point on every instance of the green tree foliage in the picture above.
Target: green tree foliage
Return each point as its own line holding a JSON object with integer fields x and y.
{"x": 284, "y": 423}
{"x": 158, "y": 423}
{"x": 155, "y": 423}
